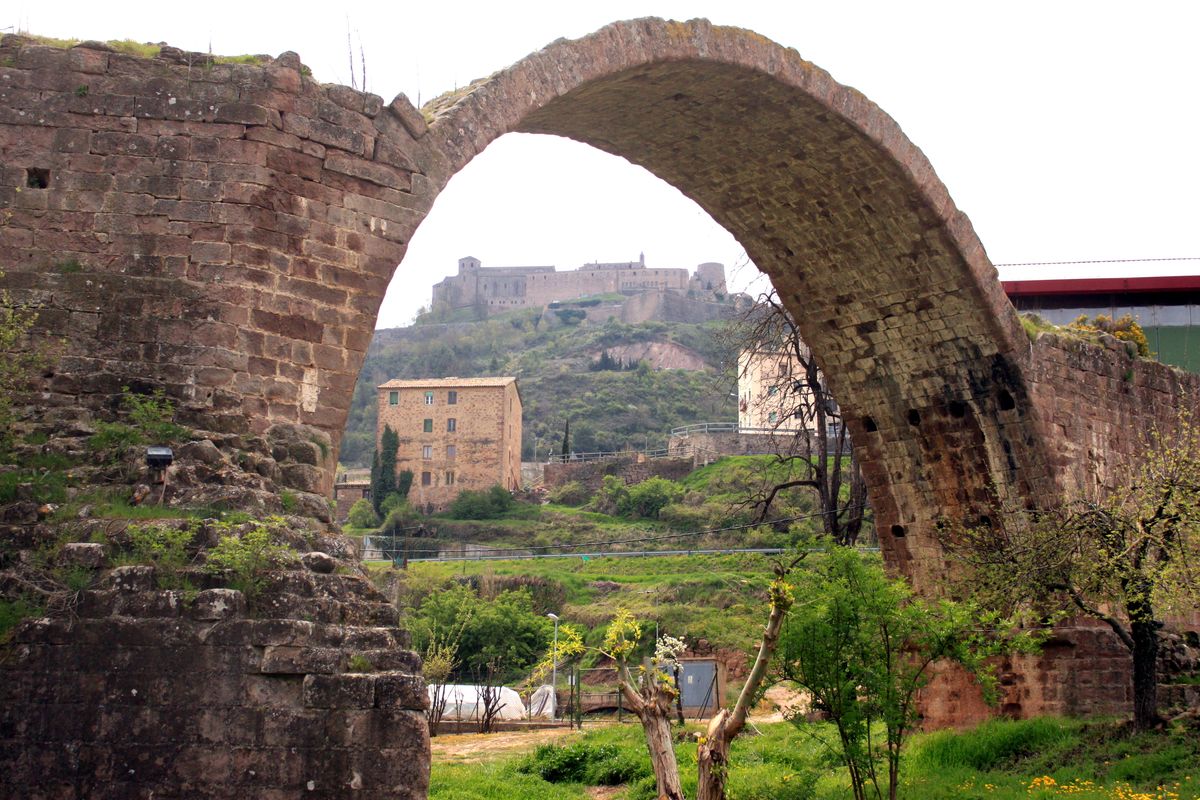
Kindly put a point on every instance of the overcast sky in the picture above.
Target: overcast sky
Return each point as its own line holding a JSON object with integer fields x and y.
{"x": 1065, "y": 130}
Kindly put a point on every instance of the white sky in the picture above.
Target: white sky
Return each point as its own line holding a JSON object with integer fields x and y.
{"x": 1065, "y": 130}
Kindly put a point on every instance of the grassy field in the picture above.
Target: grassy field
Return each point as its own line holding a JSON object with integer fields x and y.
{"x": 1001, "y": 760}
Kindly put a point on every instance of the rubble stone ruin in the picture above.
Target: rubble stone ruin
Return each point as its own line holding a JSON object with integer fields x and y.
{"x": 226, "y": 232}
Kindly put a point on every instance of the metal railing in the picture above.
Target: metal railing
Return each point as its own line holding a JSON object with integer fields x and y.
{"x": 572, "y": 458}
{"x": 725, "y": 427}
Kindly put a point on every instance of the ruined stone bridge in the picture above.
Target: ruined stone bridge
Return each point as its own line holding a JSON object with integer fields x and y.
{"x": 227, "y": 232}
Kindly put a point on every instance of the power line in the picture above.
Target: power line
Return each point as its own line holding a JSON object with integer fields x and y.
{"x": 603, "y": 542}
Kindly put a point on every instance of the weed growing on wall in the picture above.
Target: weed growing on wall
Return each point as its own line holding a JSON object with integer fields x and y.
{"x": 246, "y": 559}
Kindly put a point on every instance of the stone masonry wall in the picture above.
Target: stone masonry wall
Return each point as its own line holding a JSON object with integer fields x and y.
{"x": 147, "y": 692}
{"x": 591, "y": 473}
{"x": 223, "y": 231}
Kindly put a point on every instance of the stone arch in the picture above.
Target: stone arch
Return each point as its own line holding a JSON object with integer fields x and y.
{"x": 886, "y": 277}
{"x": 228, "y": 234}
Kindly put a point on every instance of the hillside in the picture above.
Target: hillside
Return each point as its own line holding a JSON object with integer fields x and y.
{"x": 554, "y": 360}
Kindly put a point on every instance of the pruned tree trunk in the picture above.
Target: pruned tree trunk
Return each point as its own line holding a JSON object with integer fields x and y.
{"x": 662, "y": 755}
{"x": 1145, "y": 675}
{"x": 712, "y": 757}
{"x": 652, "y": 705}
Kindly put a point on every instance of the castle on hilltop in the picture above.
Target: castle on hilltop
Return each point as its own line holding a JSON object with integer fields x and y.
{"x": 496, "y": 289}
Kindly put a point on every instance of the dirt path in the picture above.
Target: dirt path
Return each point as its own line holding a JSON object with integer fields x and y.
{"x": 475, "y": 748}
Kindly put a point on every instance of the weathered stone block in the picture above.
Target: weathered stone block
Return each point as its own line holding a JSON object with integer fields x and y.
{"x": 395, "y": 691}
{"x": 339, "y": 691}
{"x": 289, "y": 659}
{"x": 320, "y": 562}
{"x": 217, "y": 604}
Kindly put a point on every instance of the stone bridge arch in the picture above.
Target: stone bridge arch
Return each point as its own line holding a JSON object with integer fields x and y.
{"x": 886, "y": 277}
{"x": 227, "y": 232}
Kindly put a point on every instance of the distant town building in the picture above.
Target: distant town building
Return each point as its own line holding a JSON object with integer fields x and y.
{"x": 455, "y": 434}
{"x": 348, "y": 488}
{"x": 772, "y": 391}
{"x": 492, "y": 290}
{"x": 1167, "y": 308}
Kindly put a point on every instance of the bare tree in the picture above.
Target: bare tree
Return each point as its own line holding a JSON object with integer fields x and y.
{"x": 491, "y": 698}
{"x": 812, "y": 438}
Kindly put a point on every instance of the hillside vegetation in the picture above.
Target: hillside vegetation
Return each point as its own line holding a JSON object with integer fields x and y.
{"x": 610, "y": 409}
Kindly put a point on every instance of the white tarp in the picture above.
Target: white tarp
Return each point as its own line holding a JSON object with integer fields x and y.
{"x": 462, "y": 702}
{"x": 541, "y": 703}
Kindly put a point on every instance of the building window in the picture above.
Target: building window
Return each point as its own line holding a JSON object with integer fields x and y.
{"x": 452, "y": 398}
{"x": 771, "y": 390}
{"x": 427, "y": 452}
{"x": 393, "y": 398}
{"x": 427, "y": 426}
{"x": 451, "y": 425}
{"x": 451, "y": 451}
{"x": 429, "y": 398}
{"x": 426, "y": 478}
{"x": 449, "y": 478}
{"x": 772, "y": 417}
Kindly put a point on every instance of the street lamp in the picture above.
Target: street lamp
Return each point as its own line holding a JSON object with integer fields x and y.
{"x": 554, "y": 668}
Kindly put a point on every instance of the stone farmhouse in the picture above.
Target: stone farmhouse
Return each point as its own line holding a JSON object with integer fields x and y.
{"x": 455, "y": 434}
{"x": 497, "y": 289}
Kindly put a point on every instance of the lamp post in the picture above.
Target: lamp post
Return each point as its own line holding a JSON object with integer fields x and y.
{"x": 554, "y": 668}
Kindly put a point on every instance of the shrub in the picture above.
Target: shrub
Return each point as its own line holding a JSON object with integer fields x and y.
{"x": 481, "y": 505}
{"x": 572, "y": 493}
{"x": 362, "y": 514}
{"x": 150, "y": 422}
{"x": 153, "y": 415}
{"x": 585, "y": 762}
{"x": 163, "y": 547}
{"x": 247, "y": 559}
{"x": 647, "y": 498}
{"x": 1124, "y": 328}
{"x": 392, "y": 502}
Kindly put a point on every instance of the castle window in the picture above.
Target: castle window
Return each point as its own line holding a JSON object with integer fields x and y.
{"x": 427, "y": 426}
{"x": 427, "y": 452}
{"x": 451, "y": 398}
{"x": 429, "y": 398}
{"x": 393, "y": 398}
{"x": 449, "y": 478}
{"x": 451, "y": 451}
{"x": 451, "y": 425}
{"x": 426, "y": 478}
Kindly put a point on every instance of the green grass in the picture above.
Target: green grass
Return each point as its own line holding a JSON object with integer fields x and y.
{"x": 719, "y": 598}
{"x": 1001, "y": 760}
{"x": 143, "y": 49}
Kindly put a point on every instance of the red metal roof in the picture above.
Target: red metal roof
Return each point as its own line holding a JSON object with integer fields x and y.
{"x": 1164, "y": 283}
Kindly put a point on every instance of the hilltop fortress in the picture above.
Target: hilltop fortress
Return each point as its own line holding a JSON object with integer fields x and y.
{"x": 494, "y": 289}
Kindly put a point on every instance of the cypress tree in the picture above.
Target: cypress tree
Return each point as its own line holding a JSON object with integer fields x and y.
{"x": 566, "y": 445}
{"x": 383, "y": 467}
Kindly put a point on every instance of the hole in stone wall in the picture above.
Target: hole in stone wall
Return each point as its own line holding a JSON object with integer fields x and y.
{"x": 1006, "y": 400}
{"x": 957, "y": 408}
{"x": 898, "y": 531}
{"x": 869, "y": 425}
{"x": 37, "y": 178}
{"x": 914, "y": 417}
